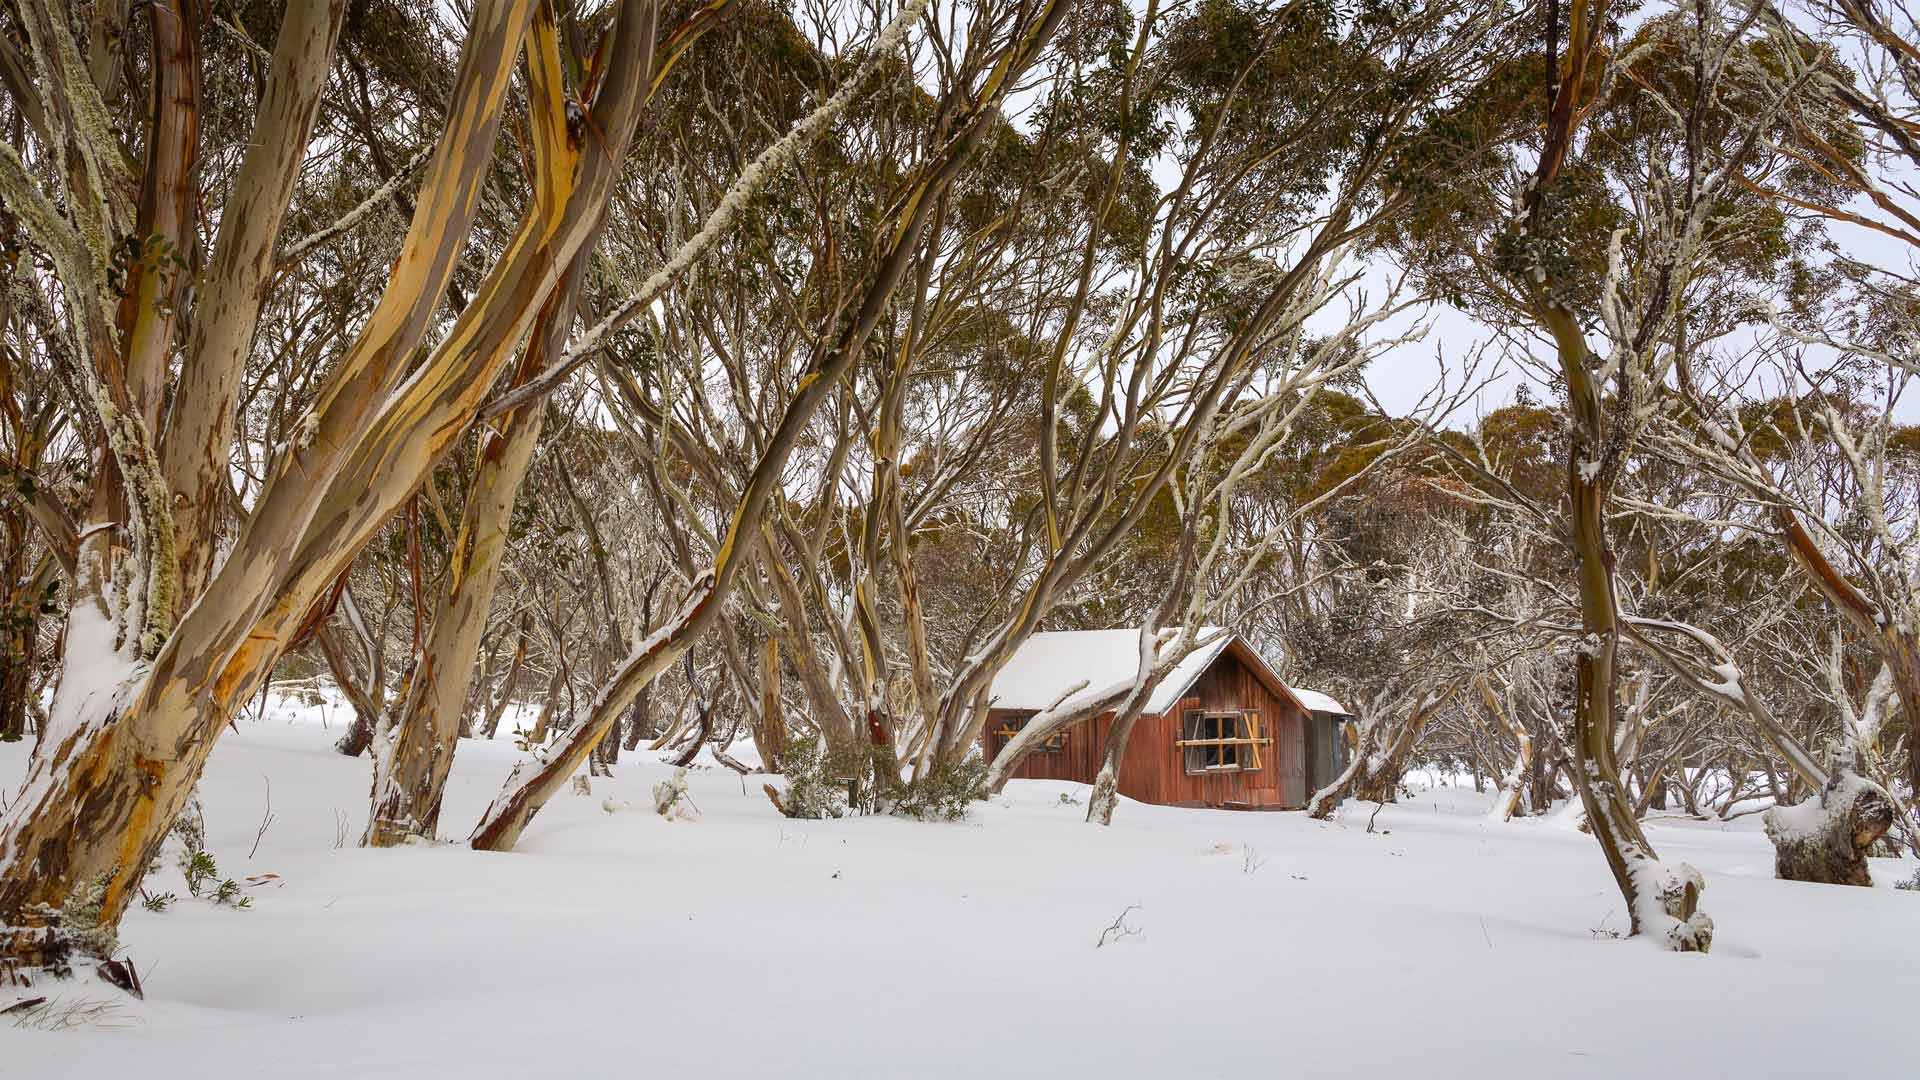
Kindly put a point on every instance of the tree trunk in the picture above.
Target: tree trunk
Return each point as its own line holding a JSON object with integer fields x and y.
{"x": 1106, "y": 782}
{"x": 543, "y": 724}
{"x": 771, "y": 736}
{"x": 19, "y": 634}
{"x": 1364, "y": 737}
{"x": 16, "y": 684}
{"x": 702, "y": 731}
{"x": 1511, "y": 786}
{"x": 482, "y": 684}
{"x": 1661, "y": 899}
{"x": 1148, "y": 669}
{"x": 410, "y": 782}
{"x": 1542, "y": 789}
{"x": 364, "y": 697}
{"x": 640, "y": 719}
{"x": 1904, "y": 658}
{"x": 829, "y": 713}
{"x": 491, "y": 726}
{"x": 1380, "y": 759}
{"x": 611, "y": 746}
{"x": 613, "y": 643}
{"x": 139, "y": 713}
{"x": 200, "y": 426}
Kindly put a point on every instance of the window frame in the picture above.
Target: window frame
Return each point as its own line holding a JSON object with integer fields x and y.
{"x": 1243, "y": 744}
{"x": 1007, "y": 729}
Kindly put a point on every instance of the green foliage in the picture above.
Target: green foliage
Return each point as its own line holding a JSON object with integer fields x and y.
{"x": 197, "y": 866}
{"x": 205, "y": 883}
{"x": 523, "y": 742}
{"x": 944, "y": 794}
{"x": 812, "y": 791}
{"x": 132, "y": 256}
{"x": 1458, "y": 164}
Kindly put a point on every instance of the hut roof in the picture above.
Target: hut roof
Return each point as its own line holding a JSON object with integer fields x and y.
{"x": 1315, "y": 701}
{"x": 1051, "y": 666}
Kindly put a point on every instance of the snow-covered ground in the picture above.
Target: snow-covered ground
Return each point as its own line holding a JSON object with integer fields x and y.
{"x": 743, "y": 944}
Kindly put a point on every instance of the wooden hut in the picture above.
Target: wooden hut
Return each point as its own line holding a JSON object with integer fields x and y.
{"x": 1220, "y": 730}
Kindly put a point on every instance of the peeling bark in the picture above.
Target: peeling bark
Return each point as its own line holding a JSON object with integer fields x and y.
{"x": 98, "y": 803}
{"x": 199, "y": 436}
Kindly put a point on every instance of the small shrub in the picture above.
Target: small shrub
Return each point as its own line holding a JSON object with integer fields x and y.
{"x": 944, "y": 794}
{"x": 670, "y": 798}
{"x": 523, "y": 742}
{"x": 1911, "y": 884}
{"x": 198, "y": 867}
{"x": 812, "y": 792}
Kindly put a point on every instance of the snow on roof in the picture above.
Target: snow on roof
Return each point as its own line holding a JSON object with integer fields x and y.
{"x": 1048, "y": 667}
{"x": 1315, "y": 701}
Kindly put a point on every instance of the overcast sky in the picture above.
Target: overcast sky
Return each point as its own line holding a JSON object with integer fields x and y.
{"x": 1402, "y": 376}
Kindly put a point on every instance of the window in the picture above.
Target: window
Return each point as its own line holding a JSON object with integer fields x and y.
{"x": 1221, "y": 742}
{"x": 1009, "y": 728}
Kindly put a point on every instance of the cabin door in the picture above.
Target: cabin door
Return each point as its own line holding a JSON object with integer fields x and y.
{"x": 1323, "y": 751}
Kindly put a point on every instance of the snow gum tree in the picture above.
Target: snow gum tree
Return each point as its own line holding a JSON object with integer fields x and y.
{"x": 415, "y": 743}
{"x": 996, "y": 58}
{"x": 700, "y": 370}
{"x": 1178, "y": 306}
{"x": 1632, "y": 199}
{"x": 1662, "y": 900}
{"x": 152, "y": 672}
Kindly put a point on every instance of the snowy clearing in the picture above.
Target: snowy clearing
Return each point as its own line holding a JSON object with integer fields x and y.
{"x": 743, "y": 943}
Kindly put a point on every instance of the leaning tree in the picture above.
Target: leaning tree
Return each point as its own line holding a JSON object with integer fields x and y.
{"x": 164, "y": 638}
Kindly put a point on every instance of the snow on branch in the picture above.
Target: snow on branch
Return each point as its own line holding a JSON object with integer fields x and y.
{"x": 294, "y": 251}
{"x": 1718, "y": 675}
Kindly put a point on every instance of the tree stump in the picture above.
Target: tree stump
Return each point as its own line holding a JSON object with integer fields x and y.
{"x": 358, "y": 737}
{"x": 1827, "y": 837}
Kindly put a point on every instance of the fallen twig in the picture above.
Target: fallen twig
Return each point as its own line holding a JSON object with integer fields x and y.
{"x": 1120, "y": 929}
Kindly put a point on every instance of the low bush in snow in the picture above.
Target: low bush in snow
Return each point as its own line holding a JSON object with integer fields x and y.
{"x": 943, "y": 794}
{"x": 813, "y": 791}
